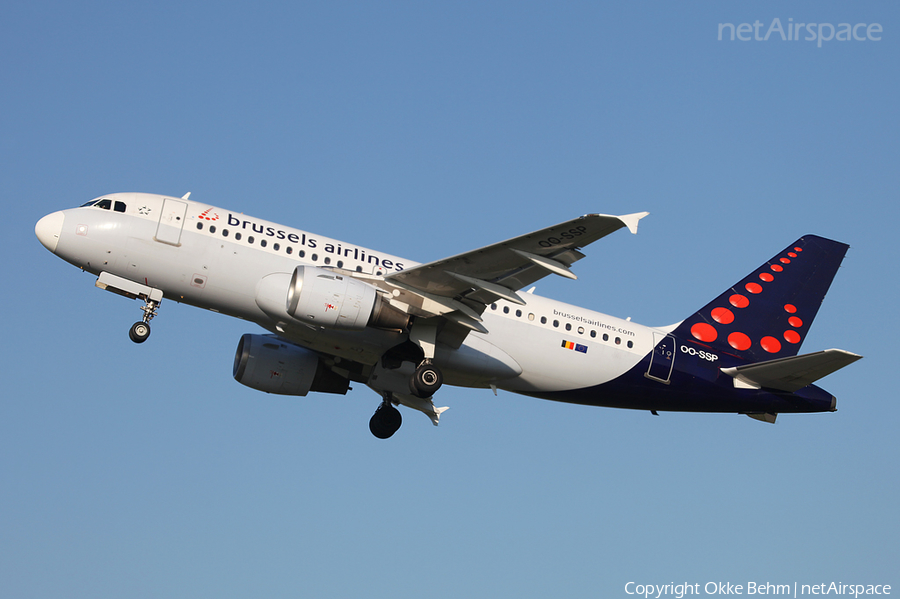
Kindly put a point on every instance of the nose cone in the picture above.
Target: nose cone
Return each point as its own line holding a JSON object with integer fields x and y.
{"x": 48, "y": 230}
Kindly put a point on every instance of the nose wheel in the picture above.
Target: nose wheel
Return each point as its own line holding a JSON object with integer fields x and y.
{"x": 141, "y": 330}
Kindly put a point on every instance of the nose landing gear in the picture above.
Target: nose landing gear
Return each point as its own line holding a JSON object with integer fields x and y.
{"x": 141, "y": 330}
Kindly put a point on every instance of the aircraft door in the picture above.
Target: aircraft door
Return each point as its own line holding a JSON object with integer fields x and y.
{"x": 662, "y": 359}
{"x": 171, "y": 222}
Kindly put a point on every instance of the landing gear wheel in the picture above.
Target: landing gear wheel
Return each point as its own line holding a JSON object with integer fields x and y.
{"x": 385, "y": 421}
{"x": 139, "y": 332}
{"x": 426, "y": 380}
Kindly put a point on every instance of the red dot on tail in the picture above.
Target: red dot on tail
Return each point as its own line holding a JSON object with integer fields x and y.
{"x": 738, "y": 301}
{"x": 792, "y": 336}
{"x": 739, "y": 341}
{"x": 704, "y": 332}
{"x": 798, "y": 249}
{"x": 785, "y": 260}
{"x": 790, "y": 308}
{"x": 770, "y": 344}
{"x": 723, "y": 315}
{"x": 777, "y": 267}
{"x": 766, "y": 277}
{"x": 753, "y": 287}
{"x": 795, "y": 322}
{"x": 792, "y": 255}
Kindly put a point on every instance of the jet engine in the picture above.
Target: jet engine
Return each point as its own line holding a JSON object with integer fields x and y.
{"x": 267, "y": 363}
{"x": 327, "y": 299}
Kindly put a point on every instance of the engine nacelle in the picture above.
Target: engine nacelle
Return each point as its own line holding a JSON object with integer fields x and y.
{"x": 327, "y": 299}
{"x": 267, "y": 363}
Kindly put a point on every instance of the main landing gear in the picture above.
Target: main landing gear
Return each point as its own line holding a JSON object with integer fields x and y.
{"x": 386, "y": 420}
{"x": 141, "y": 330}
{"x": 426, "y": 380}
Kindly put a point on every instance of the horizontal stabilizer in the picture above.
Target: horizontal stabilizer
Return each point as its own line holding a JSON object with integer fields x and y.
{"x": 791, "y": 373}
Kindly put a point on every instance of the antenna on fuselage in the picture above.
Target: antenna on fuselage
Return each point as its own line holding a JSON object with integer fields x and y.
{"x": 186, "y": 196}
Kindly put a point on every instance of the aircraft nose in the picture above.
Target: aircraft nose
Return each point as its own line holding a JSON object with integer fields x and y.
{"x": 48, "y": 230}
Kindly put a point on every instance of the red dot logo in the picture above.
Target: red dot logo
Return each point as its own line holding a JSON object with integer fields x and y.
{"x": 790, "y": 308}
{"x": 723, "y": 315}
{"x": 704, "y": 332}
{"x": 753, "y": 287}
{"x": 795, "y": 322}
{"x": 792, "y": 337}
{"x": 777, "y": 267}
{"x": 739, "y": 301}
{"x": 768, "y": 278}
{"x": 770, "y": 344}
{"x": 785, "y": 260}
{"x": 739, "y": 341}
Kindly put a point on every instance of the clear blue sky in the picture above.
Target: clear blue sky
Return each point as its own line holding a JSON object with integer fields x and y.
{"x": 423, "y": 130}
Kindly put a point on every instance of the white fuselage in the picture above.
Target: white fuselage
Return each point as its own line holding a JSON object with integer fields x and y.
{"x": 223, "y": 261}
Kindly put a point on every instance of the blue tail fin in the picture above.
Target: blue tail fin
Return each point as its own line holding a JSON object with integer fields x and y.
{"x": 768, "y": 313}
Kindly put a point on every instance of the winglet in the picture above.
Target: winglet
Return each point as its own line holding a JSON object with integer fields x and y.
{"x": 631, "y": 220}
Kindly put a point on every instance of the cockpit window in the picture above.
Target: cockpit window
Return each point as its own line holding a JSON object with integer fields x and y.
{"x": 91, "y": 203}
{"x": 119, "y": 207}
{"x": 105, "y": 204}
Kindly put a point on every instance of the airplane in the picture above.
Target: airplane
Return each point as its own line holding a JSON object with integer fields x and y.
{"x": 337, "y": 313}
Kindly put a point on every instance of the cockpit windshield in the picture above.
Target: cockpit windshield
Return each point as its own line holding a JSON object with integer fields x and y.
{"x": 106, "y": 204}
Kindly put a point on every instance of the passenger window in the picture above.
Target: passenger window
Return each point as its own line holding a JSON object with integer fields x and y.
{"x": 327, "y": 260}
{"x": 568, "y": 326}
{"x": 630, "y": 344}
{"x": 340, "y": 264}
{"x": 531, "y": 316}
{"x": 212, "y": 228}
{"x": 543, "y": 320}
{"x": 581, "y": 330}
{"x": 315, "y": 257}
{"x": 224, "y": 232}
{"x": 593, "y": 333}
{"x": 250, "y": 240}
{"x": 289, "y": 250}
{"x": 605, "y": 337}
{"x": 618, "y": 341}
{"x": 237, "y": 236}
{"x": 301, "y": 253}
{"x": 263, "y": 242}
{"x": 556, "y": 323}
{"x": 518, "y": 313}
{"x": 276, "y": 247}
{"x": 199, "y": 226}
{"x": 506, "y": 309}
{"x": 119, "y": 207}
{"x": 493, "y": 306}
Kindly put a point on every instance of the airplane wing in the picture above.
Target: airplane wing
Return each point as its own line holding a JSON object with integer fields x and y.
{"x": 461, "y": 286}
